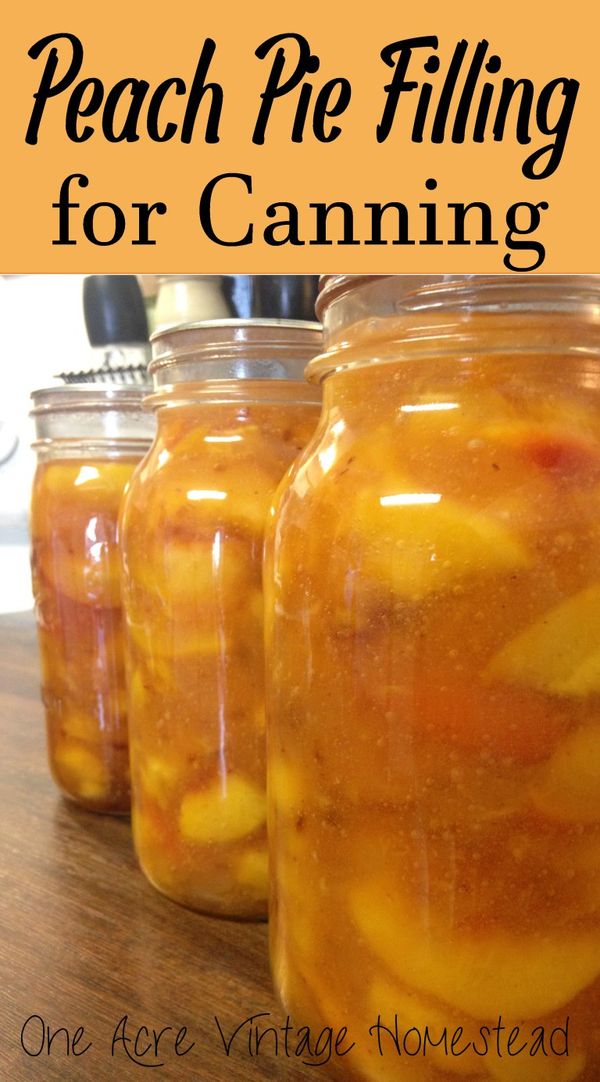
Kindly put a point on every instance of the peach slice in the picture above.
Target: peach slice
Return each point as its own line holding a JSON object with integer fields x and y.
{"x": 569, "y": 784}
{"x": 159, "y": 777}
{"x": 222, "y": 813}
{"x": 83, "y": 772}
{"x": 415, "y": 1012}
{"x": 417, "y": 542}
{"x": 252, "y": 871}
{"x": 560, "y": 652}
{"x": 537, "y": 1068}
{"x": 483, "y": 975}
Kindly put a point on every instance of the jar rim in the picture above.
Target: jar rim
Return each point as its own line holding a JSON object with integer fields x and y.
{"x": 214, "y": 324}
{"x": 332, "y": 287}
{"x": 269, "y": 349}
{"x": 88, "y": 396}
{"x": 444, "y": 315}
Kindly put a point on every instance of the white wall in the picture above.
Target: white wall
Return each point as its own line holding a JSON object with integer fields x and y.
{"x": 43, "y": 332}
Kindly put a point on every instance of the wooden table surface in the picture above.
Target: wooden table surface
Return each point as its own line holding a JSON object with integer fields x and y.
{"x": 86, "y": 941}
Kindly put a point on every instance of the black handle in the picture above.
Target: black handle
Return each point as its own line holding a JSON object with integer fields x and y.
{"x": 271, "y": 296}
{"x": 113, "y": 309}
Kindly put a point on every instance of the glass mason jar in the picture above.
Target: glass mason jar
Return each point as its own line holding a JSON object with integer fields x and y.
{"x": 232, "y": 414}
{"x": 89, "y": 440}
{"x": 433, "y": 659}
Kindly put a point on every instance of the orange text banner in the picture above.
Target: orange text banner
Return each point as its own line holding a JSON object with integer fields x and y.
{"x": 384, "y": 137}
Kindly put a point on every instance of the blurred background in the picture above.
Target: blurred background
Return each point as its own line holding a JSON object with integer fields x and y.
{"x": 43, "y": 331}
{"x": 64, "y": 328}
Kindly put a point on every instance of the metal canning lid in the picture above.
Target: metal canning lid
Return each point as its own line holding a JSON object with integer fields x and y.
{"x": 88, "y": 396}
